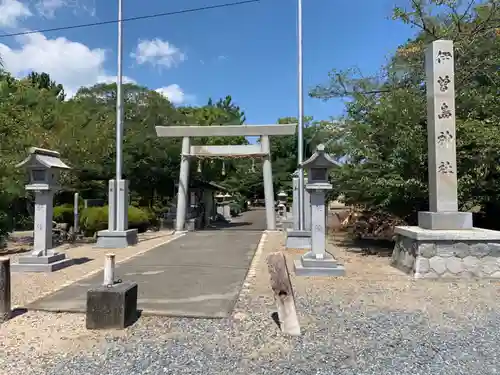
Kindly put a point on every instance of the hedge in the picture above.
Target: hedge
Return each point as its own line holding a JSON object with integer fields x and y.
{"x": 63, "y": 214}
{"x": 94, "y": 219}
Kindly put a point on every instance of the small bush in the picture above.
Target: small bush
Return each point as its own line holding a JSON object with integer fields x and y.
{"x": 151, "y": 214}
{"x": 63, "y": 213}
{"x": 94, "y": 219}
{"x": 234, "y": 209}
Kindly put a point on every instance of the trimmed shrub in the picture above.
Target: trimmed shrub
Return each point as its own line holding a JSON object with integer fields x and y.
{"x": 94, "y": 219}
{"x": 63, "y": 214}
{"x": 234, "y": 209}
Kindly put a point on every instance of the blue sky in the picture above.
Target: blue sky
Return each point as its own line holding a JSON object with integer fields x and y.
{"x": 248, "y": 51}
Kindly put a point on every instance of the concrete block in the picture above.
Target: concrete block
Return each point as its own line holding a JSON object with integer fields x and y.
{"x": 112, "y": 307}
{"x": 107, "y": 239}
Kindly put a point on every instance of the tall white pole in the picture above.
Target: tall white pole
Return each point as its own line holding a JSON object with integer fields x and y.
{"x": 119, "y": 110}
{"x": 300, "y": 140}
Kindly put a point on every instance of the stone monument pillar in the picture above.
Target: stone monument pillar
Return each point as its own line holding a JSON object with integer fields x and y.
{"x": 441, "y": 133}
{"x": 445, "y": 243}
{"x": 43, "y": 167}
{"x": 318, "y": 262}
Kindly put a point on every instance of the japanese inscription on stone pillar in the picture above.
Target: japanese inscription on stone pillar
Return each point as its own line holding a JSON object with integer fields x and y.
{"x": 439, "y": 68}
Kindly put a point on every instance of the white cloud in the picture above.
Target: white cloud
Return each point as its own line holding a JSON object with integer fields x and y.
{"x": 48, "y": 8}
{"x": 113, "y": 79}
{"x": 70, "y": 63}
{"x": 175, "y": 94}
{"x": 158, "y": 53}
{"x": 12, "y": 11}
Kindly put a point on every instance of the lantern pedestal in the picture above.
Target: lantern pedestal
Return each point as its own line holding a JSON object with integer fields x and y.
{"x": 309, "y": 265}
{"x": 51, "y": 262}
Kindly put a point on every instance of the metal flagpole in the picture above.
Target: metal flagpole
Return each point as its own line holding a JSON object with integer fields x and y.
{"x": 119, "y": 109}
{"x": 300, "y": 140}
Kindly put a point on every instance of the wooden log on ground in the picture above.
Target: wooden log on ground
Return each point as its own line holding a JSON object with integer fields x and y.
{"x": 283, "y": 293}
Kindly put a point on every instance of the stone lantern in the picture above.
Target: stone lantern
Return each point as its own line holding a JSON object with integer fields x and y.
{"x": 318, "y": 262}
{"x": 282, "y": 196}
{"x": 43, "y": 167}
{"x": 223, "y": 207}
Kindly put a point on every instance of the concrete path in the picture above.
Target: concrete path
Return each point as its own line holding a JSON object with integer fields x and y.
{"x": 197, "y": 275}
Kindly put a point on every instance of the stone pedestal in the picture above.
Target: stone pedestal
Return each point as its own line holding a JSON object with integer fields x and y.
{"x": 5, "y": 297}
{"x": 107, "y": 239}
{"x": 441, "y": 254}
{"x": 309, "y": 265}
{"x": 112, "y": 307}
{"x": 50, "y": 262}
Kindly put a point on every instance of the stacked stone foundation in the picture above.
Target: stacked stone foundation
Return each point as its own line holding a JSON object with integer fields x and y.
{"x": 443, "y": 259}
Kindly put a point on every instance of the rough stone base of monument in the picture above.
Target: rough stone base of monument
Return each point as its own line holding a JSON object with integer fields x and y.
{"x": 107, "y": 239}
{"x": 48, "y": 263}
{"x": 113, "y": 307}
{"x": 308, "y": 265}
{"x": 298, "y": 239}
{"x": 445, "y": 220}
{"x": 443, "y": 254}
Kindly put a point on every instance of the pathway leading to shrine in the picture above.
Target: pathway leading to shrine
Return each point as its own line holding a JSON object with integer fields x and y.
{"x": 197, "y": 275}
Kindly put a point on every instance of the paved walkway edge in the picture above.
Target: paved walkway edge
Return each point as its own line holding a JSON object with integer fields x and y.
{"x": 247, "y": 284}
{"x": 96, "y": 271}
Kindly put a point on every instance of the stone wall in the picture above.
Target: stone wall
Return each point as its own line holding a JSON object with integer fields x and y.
{"x": 436, "y": 259}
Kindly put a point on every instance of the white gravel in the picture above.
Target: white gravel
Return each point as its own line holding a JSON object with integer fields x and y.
{"x": 375, "y": 321}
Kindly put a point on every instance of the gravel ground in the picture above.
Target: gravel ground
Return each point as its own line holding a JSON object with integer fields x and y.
{"x": 375, "y": 321}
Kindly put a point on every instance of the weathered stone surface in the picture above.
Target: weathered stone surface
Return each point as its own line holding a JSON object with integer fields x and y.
{"x": 461, "y": 249}
{"x": 438, "y": 264}
{"x": 495, "y": 275}
{"x": 470, "y": 262}
{"x": 428, "y": 275}
{"x": 479, "y": 250}
{"x": 422, "y": 265}
{"x": 489, "y": 265}
{"x": 454, "y": 265}
{"x": 112, "y": 307}
{"x": 445, "y": 250}
{"x": 494, "y": 249}
{"x": 427, "y": 250}
{"x": 409, "y": 260}
{"x": 407, "y": 243}
{"x": 447, "y": 258}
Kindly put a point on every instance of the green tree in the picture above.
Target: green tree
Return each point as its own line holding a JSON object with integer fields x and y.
{"x": 383, "y": 137}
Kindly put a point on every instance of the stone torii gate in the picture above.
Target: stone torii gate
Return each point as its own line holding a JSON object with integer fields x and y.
{"x": 261, "y": 150}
